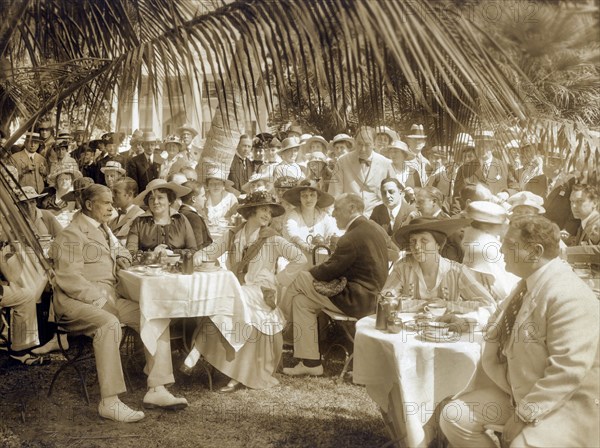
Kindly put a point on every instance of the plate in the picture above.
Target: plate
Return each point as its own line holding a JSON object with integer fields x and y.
{"x": 138, "y": 269}
{"x": 207, "y": 269}
{"x": 430, "y": 336}
{"x": 154, "y": 273}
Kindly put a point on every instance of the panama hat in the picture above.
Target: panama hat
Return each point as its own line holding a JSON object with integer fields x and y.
{"x": 289, "y": 143}
{"x": 293, "y": 196}
{"x": 33, "y": 136}
{"x": 342, "y": 138}
{"x": 157, "y": 184}
{"x": 399, "y": 145}
{"x": 149, "y": 137}
{"x": 79, "y": 185}
{"x": 392, "y": 135}
{"x": 28, "y": 193}
{"x": 526, "y": 198}
{"x": 187, "y": 127}
{"x": 444, "y": 226}
{"x": 66, "y": 169}
{"x": 485, "y": 211}
{"x": 256, "y": 177}
{"x": 417, "y": 131}
{"x": 113, "y": 165}
{"x": 259, "y": 199}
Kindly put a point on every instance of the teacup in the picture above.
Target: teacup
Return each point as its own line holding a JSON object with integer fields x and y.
{"x": 436, "y": 309}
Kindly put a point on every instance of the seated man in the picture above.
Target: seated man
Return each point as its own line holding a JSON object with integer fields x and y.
{"x": 86, "y": 256}
{"x": 361, "y": 256}
{"x": 539, "y": 369}
{"x": 124, "y": 191}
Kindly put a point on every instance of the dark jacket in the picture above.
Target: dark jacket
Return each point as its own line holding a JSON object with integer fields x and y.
{"x": 199, "y": 227}
{"x": 362, "y": 257}
{"x": 381, "y": 216}
{"x": 140, "y": 170}
{"x": 239, "y": 174}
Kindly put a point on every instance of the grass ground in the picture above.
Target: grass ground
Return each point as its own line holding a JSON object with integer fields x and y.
{"x": 300, "y": 412}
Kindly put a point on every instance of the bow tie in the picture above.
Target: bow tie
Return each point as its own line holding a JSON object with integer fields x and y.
{"x": 365, "y": 161}
{"x": 121, "y": 212}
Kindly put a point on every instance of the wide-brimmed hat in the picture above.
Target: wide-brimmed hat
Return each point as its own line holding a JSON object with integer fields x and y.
{"x": 156, "y": 184}
{"x": 526, "y": 198}
{"x": 417, "y": 131}
{"x": 172, "y": 139}
{"x": 399, "y": 145}
{"x": 259, "y": 199}
{"x": 68, "y": 169}
{"x": 149, "y": 137}
{"x": 485, "y": 211}
{"x": 286, "y": 182}
{"x": 289, "y": 143}
{"x": 304, "y": 138}
{"x": 219, "y": 174}
{"x": 187, "y": 127}
{"x": 484, "y": 134}
{"x": 28, "y": 193}
{"x": 445, "y": 226}
{"x": 342, "y": 138}
{"x": 113, "y": 165}
{"x": 464, "y": 139}
{"x": 316, "y": 138}
{"x": 79, "y": 185}
{"x": 392, "y": 135}
{"x": 293, "y": 196}
{"x": 255, "y": 178}
{"x": 136, "y": 136}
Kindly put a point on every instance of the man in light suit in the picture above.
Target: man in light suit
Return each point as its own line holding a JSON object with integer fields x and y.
{"x": 31, "y": 165}
{"x": 361, "y": 171}
{"x": 538, "y": 375}
{"x": 87, "y": 256}
{"x": 393, "y": 212}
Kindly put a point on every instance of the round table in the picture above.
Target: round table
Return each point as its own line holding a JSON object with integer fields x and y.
{"x": 408, "y": 376}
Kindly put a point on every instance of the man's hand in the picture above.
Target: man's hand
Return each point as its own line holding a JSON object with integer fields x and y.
{"x": 123, "y": 263}
{"x": 512, "y": 428}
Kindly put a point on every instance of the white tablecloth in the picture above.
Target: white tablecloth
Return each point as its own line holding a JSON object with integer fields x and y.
{"x": 407, "y": 376}
{"x": 217, "y": 295}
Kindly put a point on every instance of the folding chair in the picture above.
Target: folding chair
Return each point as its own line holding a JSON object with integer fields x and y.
{"x": 348, "y": 326}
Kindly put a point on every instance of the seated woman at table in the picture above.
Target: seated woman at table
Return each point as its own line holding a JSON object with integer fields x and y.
{"x": 424, "y": 274}
{"x": 220, "y": 203}
{"x": 309, "y": 219}
{"x": 253, "y": 252}
{"x": 161, "y": 228}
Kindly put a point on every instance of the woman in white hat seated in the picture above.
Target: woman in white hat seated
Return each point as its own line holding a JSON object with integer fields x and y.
{"x": 221, "y": 202}
{"x": 425, "y": 275}
{"x": 308, "y": 222}
{"x": 406, "y": 174}
{"x": 161, "y": 228}
{"x": 253, "y": 249}
{"x": 60, "y": 183}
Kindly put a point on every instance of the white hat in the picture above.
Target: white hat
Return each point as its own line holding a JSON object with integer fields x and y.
{"x": 399, "y": 145}
{"x": 417, "y": 131}
{"x": 113, "y": 165}
{"x": 256, "y": 177}
{"x": 526, "y": 198}
{"x": 342, "y": 138}
{"x": 485, "y": 211}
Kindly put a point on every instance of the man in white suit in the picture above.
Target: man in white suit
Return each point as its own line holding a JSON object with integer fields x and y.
{"x": 87, "y": 256}
{"x": 539, "y": 370}
{"x": 361, "y": 171}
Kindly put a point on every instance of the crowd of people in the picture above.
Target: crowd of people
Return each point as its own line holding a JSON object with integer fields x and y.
{"x": 395, "y": 214}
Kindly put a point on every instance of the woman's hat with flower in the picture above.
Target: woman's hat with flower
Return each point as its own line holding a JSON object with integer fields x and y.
{"x": 441, "y": 226}
{"x": 293, "y": 196}
{"x": 259, "y": 198}
{"x": 172, "y": 139}
{"x": 157, "y": 184}
{"x": 65, "y": 169}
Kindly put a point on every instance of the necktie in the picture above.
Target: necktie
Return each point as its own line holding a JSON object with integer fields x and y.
{"x": 104, "y": 229}
{"x": 507, "y": 323}
{"x": 365, "y": 162}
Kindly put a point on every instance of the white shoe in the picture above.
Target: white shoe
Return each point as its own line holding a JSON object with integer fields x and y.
{"x": 160, "y": 397}
{"x": 119, "y": 412}
{"x": 52, "y": 345}
{"x": 300, "y": 369}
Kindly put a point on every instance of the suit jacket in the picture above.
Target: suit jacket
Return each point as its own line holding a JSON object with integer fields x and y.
{"x": 238, "y": 173}
{"x": 198, "y": 224}
{"x": 381, "y": 216}
{"x": 85, "y": 265}
{"x": 497, "y": 177}
{"x": 558, "y": 207}
{"x": 31, "y": 174}
{"x": 553, "y": 365}
{"x": 361, "y": 256}
{"x": 121, "y": 224}
{"x": 349, "y": 178}
{"x": 140, "y": 170}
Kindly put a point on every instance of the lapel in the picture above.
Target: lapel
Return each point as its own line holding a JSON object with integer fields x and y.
{"x": 356, "y": 168}
{"x": 92, "y": 233}
{"x": 586, "y": 233}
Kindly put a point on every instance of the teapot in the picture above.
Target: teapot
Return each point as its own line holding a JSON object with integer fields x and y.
{"x": 315, "y": 240}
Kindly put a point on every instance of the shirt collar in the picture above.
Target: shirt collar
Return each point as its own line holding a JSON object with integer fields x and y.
{"x": 92, "y": 221}
{"x": 395, "y": 210}
{"x": 533, "y": 280}
{"x": 351, "y": 221}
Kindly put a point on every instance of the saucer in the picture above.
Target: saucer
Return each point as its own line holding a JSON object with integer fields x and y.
{"x": 138, "y": 269}
{"x": 431, "y": 336}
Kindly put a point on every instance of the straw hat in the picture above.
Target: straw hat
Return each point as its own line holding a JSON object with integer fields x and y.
{"x": 156, "y": 184}
{"x": 318, "y": 139}
{"x": 293, "y": 196}
{"x": 288, "y": 143}
{"x": 68, "y": 169}
{"x": 187, "y": 127}
{"x": 392, "y": 135}
{"x": 485, "y": 211}
{"x": 113, "y": 165}
{"x": 526, "y": 198}
{"x": 256, "y": 177}
{"x": 399, "y": 145}
{"x": 33, "y": 136}
{"x": 342, "y": 138}
{"x": 444, "y": 226}
{"x": 79, "y": 185}
{"x": 28, "y": 193}
{"x": 149, "y": 137}
{"x": 259, "y": 199}
{"x": 417, "y": 131}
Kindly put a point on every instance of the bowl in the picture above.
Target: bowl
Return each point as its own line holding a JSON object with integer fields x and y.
{"x": 172, "y": 259}
{"x": 153, "y": 269}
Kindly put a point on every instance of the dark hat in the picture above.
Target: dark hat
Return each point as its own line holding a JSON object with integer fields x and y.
{"x": 258, "y": 199}
{"x": 79, "y": 185}
{"x": 95, "y": 144}
{"x": 293, "y": 196}
{"x": 262, "y": 140}
{"x": 444, "y": 226}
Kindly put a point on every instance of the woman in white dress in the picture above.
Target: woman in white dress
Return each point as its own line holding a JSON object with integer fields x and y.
{"x": 308, "y": 220}
{"x": 253, "y": 252}
{"x": 220, "y": 203}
